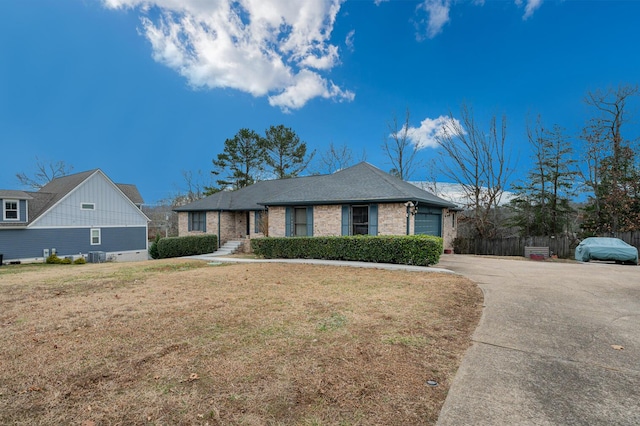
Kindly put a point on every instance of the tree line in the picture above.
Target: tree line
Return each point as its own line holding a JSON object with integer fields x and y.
{"x": 475, "y": 156}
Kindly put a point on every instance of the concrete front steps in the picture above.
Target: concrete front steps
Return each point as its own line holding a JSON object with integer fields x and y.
{"x": 230, "y": 247}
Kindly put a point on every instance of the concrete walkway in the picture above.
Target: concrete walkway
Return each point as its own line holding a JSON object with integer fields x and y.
{"x": 389, "y": 266}
{"x": 547, "y": 350}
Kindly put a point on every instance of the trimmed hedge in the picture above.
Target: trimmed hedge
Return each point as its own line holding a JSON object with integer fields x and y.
{"x": 187, "y": 246}
{"x": 420, "y": 250}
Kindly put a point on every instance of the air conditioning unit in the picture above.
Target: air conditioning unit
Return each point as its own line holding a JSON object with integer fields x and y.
{"x": 97, "y": 257}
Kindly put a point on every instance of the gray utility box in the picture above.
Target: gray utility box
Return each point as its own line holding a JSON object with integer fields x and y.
{"x": 97, "y": 257}
{"x": 536, "y": 251}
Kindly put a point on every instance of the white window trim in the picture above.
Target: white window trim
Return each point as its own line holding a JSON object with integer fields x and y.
{"x": 99, "y": 236}
{"x": 4, "y": 210}
{"x": 82, "y": 206}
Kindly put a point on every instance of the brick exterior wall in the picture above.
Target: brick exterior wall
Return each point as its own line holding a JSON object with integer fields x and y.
{"x": 449, "y": 228}
{"x": 277, "y": 225}
{"x": 392, "y": 219}
{"x": 327, "y": 221}
{"x": 233, "y": 225}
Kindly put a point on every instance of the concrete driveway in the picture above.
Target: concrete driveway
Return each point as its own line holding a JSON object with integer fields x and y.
{"x": 543, "y": 354}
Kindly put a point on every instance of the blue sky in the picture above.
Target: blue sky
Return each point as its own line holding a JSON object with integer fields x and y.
{"x": 145, "y": 90}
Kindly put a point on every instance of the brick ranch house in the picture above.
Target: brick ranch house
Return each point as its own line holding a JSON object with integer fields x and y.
{"x": 359, "y": 200}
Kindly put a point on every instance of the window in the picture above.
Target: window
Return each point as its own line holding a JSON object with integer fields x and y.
{"x": 88, "y": 206}
{"x": 258, "y": 222}
{"x": 360, "y": 220}
{"x": 300, "y": 221}
{"x": 197, "y": 221}
{"x": 11, "y": 210}
{"x": 95, "y": 237}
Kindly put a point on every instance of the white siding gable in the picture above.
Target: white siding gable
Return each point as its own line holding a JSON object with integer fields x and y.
{"x": 110, "y": 207}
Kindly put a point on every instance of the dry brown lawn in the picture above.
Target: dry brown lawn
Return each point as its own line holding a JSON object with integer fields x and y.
{"x": 183, "y": 342}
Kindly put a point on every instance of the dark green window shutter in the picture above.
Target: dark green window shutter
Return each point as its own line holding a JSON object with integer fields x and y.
{"x": 190, "y": 226}
{"x": 310, "y": 221}
{"x": 256, "y": 221}
{"x": 373, "y": 219}
{"x": 288, "y": 219}
{"x": 345, "y": 220}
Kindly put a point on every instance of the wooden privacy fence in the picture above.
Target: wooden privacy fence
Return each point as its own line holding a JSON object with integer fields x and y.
{"x": 563, "y": 246}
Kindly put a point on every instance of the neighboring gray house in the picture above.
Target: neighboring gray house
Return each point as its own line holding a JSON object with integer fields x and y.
{"x": 75, "y": 214}
{"x": 361, "y": 199}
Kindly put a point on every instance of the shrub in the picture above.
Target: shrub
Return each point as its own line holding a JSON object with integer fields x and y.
{"x": 153, "y": 250}
{"x": 80, "y": 261}
{"x": 187, "y": 246}
{"x": 65, "y": 261}
{"x": 53, "y": 259}
{"x": 421, "y": 250}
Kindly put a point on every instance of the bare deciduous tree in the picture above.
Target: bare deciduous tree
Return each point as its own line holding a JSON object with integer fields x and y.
{"x": 400, "y": 148}
{"x": 45, "y": 173}
{"x": 479, "y": 162}
{"x": 337, "y": 158}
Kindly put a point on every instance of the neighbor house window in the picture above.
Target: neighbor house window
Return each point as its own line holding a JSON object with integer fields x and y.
{"x": 197, "y": 221}
{"x": 300, "y": 221}
{"x": 95, "y": 237}
{"x": 11, "y": 210}
{"x": 360, "y": 220}
{"x": 88, "y": 206}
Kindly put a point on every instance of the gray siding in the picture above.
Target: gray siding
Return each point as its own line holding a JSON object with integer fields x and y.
{"x": 112, "y": 208}
{"x": 29, "y": 243}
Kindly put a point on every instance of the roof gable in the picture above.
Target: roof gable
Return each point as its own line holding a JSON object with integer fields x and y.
{"x": 47, "y": 197}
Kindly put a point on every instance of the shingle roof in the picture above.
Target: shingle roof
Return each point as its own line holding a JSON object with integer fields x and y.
{"x": 132, "y": 193}
{"x": 247, "y": 198}
{"x": 362, "y": 183}
{"x": 19, "y": 195}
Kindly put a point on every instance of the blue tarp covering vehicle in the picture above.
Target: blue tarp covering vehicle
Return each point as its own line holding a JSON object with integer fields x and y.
{"x": 603, "y": 248}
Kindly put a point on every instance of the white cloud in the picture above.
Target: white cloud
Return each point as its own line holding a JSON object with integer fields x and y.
{"x": 438, "y": 15}
{"x": 426, "y": 136}
{"x": 530, "y": 7}
{"x": 348, "y": 41}
{"x": 274, "y": 48}
{"x": 308, "y": 85}
{"x": 437, "y": 12}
